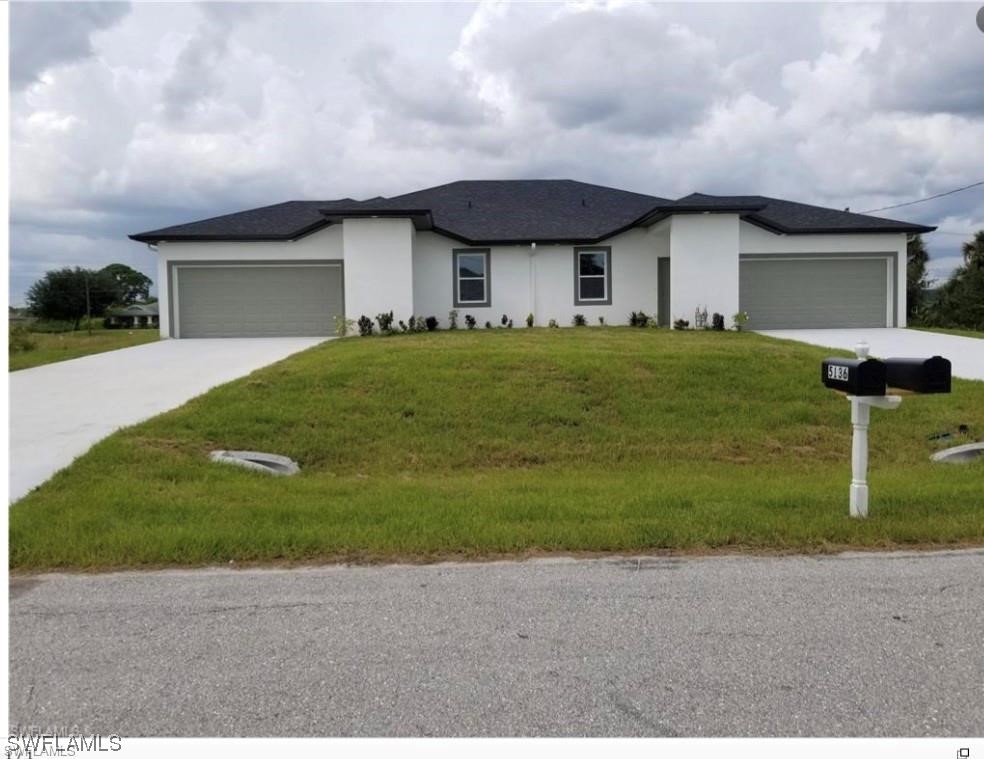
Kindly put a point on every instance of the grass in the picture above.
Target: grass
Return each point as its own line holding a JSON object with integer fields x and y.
{"x": 52, "y": 347}
{"x": 470, "y": 444}
{"x": 953, "y": 331}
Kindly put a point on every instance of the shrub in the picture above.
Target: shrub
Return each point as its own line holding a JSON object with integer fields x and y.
{"x": 488, "y": 325}
{"x": 365, "y": 326}
{"x": 431, "y": 322}
{"x": 21, "y": 341}
{"x": 717, "y": 322}
{"x": 509, "y": 324}
{"x": 553, "y": 323}
{"x": 740, "y": 320}
{"x": 601, "y": 320}
{"x": 681, "y": 324}
{"x": 639, "y": 319}
{"x": 343, "y": 326}
{"x": 579, "y": 320}
{"x": 403, "y": 325}
{"x": 529, "y": 320}
{"x": 416, "y": 324}
{"x": 453, "y": 319}
{"x": 52, "y": 326}
{"x": 470, "y": 321}
{"x": 700, "y": 318}
{"x": 385, "y": 322}
{"x": 504, "y": 320}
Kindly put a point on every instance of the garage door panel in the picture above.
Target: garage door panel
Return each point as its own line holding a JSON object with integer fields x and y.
{"x": 258, "y": 301}
{"x": 814, "y": 293}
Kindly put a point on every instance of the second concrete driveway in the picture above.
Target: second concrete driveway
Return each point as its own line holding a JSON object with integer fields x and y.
{"x": 58, "y": 411}
{"x": 965, "y": 353}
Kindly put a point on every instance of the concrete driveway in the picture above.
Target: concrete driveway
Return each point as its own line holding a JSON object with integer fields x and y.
{"x": 58, "y": 411}
{"x": 966, "y": 354}
{"x": 850, "y": 645}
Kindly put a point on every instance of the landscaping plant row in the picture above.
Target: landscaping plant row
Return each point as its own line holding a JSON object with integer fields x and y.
{"x": 384, "y": 323}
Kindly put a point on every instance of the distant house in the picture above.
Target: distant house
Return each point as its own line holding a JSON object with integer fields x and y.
{"x": 136, "y": 316}
{"x": 554, "y": 249}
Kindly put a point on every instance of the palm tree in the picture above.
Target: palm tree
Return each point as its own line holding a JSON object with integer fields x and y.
{"x": 973, "y": 251}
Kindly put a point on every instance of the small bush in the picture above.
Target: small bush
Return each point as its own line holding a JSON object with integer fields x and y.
{"x": 601, "y": 321}
{"x": 21, "y": 341}
{"x": 403, "y": 325}
{"x": 717, "y": 322}
{"x": 700, "y": 318}
{"x": 681, "y": 324}
{"x": 431, "y": 322}
{"x": 579, "y": 320}
{"x": 416, "y": 324}
{"x": 343, "y": 326}
{"x": 385, "y": 322}
{"x": 529, "y": 320}
{"x": 365, "y": 326}
{"x": 50, "y": 326}
{"x": 453, "y": 319}
{"x": 470, "y": 321}
{"x": 488, "y": 325}
{"x": 639, "y": 319}
{"x": 504, "y": 320}
{"x": 740, "y": 320}
{"x": 553, "y": 323}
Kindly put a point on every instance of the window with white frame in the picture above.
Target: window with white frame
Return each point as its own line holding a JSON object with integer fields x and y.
{"x": 472, "y": 282}
{"x": 593, "y": 276}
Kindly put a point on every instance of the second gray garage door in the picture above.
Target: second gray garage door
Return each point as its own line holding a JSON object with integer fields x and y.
{"x": 815, "y": 293}
{"x": 256, "y": 300}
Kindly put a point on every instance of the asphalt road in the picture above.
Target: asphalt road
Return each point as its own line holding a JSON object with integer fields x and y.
{"x": 852, "y": 645}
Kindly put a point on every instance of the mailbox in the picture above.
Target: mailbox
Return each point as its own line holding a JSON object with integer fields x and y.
{"x": 854, "y": 376}
{"x": 921, "y": 375}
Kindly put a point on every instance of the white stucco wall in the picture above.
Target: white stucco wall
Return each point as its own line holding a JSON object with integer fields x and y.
{"x": 321, "y": 245}
{"x": 754, "y": 239}
{"x": 390, "y": 266}
{"x": 540, "y": 281}
{"x": 703, "y": 265}
{"x": 378, "y": 267}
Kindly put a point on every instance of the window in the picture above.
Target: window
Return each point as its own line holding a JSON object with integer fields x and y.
{"x": 592, "y": 276}
{"x": 472, "y": 286}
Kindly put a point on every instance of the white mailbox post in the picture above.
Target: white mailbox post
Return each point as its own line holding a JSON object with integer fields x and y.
{"x": 860, "y": 419}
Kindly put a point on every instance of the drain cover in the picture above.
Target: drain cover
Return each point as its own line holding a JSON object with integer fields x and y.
{"x": 270, "y": 463}
{"x": 961, "y": 454}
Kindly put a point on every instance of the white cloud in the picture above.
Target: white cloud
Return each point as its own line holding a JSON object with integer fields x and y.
{"x": 134, "y": 118}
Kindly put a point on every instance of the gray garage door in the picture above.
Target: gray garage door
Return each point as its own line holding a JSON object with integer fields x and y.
{"x": 816, "y": 293}
{"x": 259, "y": 300}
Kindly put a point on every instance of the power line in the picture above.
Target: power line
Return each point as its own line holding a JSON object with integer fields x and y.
{"x": 931, "y": 197}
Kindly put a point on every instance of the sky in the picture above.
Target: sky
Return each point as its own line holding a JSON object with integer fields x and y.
{"x": 128, "y": 117}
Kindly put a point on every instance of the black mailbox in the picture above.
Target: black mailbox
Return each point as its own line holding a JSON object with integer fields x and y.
{"x": 854, "y": 376}
{"x": 921, "y": 375}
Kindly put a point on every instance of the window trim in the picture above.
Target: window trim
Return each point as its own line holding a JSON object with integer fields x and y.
{"x": 607, "y": 300}
{"x": 455, "y": 279}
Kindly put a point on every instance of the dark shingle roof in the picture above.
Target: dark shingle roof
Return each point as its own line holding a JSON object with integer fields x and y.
{"x": 799, "y": 218}
{"x": 527, "y": 210}
{"x": 283, "y": 221}
{"x": 523, "y": 210}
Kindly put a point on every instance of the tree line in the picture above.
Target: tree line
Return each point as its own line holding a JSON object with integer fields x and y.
{"x": 71, "y": 294}
{"x": 958, "y": 302}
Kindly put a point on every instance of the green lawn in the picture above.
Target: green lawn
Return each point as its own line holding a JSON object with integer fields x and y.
{"x": 65, "y": 345}
{"x": 950, "y": 331}
{"x": 482, "y": 443}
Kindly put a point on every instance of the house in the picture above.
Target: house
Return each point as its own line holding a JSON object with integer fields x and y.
{"x": 136, "y": 315}
{"x": 551, "y": 248}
